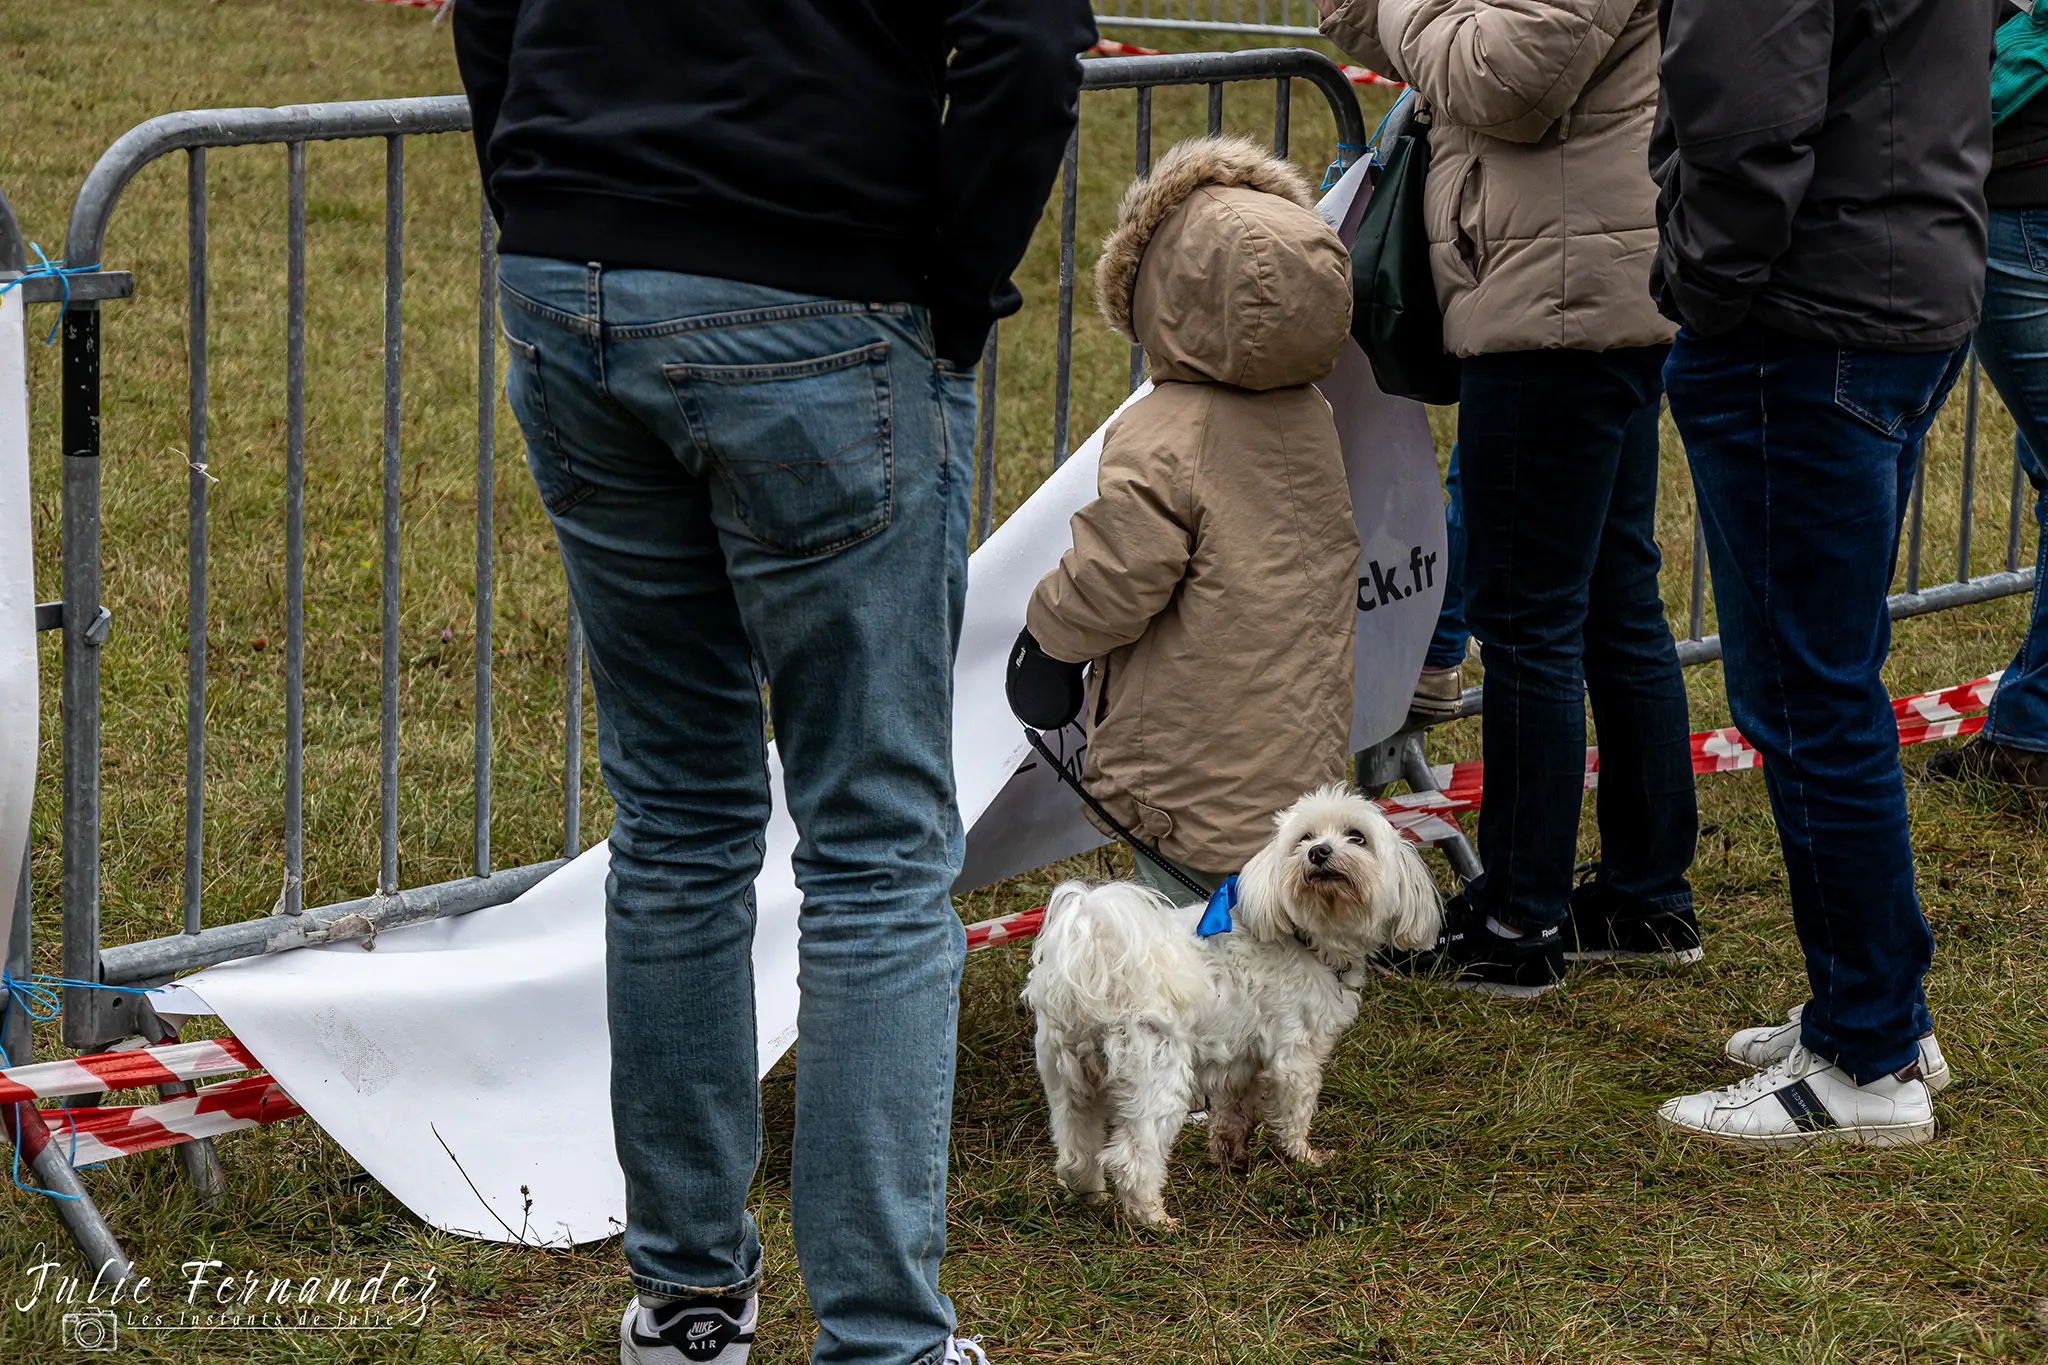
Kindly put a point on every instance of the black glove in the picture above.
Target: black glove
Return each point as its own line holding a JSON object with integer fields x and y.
{"x": 1044, "y": 693}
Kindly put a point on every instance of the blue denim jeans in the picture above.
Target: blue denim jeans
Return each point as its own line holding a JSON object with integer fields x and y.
{"x": 1802, "y": 515}
{"x": 1559, "y": 471}
{"x": 1447, "y": 645}
{"x": 761, "y": 497}
{"x": 2013, "y": 344}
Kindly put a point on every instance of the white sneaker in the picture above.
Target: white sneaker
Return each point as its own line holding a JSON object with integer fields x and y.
{"x": 1757, "y": 1048}
{"x": 689, "y": 1332}
{"x": 1803, "y": 1098}
{"x": 964, "y": 1351}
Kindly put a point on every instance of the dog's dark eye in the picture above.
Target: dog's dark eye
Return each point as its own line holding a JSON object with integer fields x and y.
{"x": 1355, "y": 836}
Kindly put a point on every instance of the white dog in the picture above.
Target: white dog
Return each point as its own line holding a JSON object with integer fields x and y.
{"x": 1140, "y": 1020}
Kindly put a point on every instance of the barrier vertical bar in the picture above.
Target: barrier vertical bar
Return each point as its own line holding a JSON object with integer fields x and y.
{"x": 486, "y": 493}
{"x": 1696, "y": 616}
{"x": 1063, "y": 373}
{"x": 17, "y": 1030}
{"x": 294, "y": 897}
{"x": 985, "y": 447}
{"x": 2014, "y": 511}
{"x": 1283, "y": 111}
{"x": 1144, "y": 168}
{"x": 394, "y": 285}
{"x": 1215, "y": 108}
{"x": 1913, "y": 528}
{"x": 572, "y": 736}
{"x": 1969, "y": 473}
{"x": 195, "y": 533}
{"x": 83, "y": 632}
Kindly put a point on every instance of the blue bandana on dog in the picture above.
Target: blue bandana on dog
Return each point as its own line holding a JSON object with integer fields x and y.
{"x": 1216, "y": 919}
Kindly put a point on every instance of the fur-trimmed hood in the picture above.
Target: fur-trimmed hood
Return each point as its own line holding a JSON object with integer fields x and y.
{"x": 1221, "y": 269}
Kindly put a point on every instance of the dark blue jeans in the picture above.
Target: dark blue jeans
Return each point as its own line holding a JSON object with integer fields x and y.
{"x": 2013, "y": 343}
{"x": 1803, "y": 457}
{"x": 1447, "y": 645}
{"x": 1558, "y": 462}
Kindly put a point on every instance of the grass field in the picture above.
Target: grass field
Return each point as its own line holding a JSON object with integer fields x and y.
{"x": 1499, "y": 1193}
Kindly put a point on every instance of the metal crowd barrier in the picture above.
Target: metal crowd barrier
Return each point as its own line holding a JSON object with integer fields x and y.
{"x": 1288, "y": 18}
{"x": 94, "y": 1018}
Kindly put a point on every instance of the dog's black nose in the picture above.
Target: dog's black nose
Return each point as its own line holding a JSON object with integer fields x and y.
{"x": 1318, "y": 854}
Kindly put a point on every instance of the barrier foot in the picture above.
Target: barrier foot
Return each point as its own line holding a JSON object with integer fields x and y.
{"x": 95, "y": 1241}
{"x": 1415, "y": 772}
{"x": 198, "y": 1161}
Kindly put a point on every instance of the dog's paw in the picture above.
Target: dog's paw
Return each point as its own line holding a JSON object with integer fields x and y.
{"x": 1230, "y": 1156}
{"x": 1309, "y": 1156}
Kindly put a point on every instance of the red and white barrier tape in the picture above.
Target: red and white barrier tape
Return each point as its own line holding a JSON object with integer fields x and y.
{"x": 1420, "y": 817}
{"x": 103, "y": 1133}
{"x": 122, "y": 1130}
{"x": 125, "y": 1070}
{"x": 1110, "y": 47}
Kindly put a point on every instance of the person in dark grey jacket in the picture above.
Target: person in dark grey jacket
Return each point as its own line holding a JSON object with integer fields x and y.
{"x": 1821, "y": 218}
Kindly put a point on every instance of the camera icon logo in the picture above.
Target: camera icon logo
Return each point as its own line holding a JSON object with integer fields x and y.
{"x": 95, "y": 1329}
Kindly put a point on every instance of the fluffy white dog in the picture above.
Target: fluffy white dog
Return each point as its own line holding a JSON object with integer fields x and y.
{"x": 1140, "y": 1020}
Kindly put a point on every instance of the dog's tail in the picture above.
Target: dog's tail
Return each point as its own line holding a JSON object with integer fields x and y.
{"x": 1111, "y": 952}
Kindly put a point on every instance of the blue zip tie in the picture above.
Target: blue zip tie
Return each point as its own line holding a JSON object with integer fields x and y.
{"x": 45, "y": 268}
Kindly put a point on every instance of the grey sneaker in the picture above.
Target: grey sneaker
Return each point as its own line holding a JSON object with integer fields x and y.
{"x": 964, "y": 1351}
{"x": 1437, "y": 692}
{"x": 706, "y": 1331}
{"x": 1756, "y": 1048}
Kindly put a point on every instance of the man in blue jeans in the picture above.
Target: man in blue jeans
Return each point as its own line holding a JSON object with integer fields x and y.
{"x": 1822, "y": 241}
{"x": 2012, "y": 748}
{"x": 750, "y": 254}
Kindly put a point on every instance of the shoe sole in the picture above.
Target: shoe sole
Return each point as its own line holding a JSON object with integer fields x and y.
{"x": 1866, "y": 1135}
{"x": 1677, "y": 957}
{"x": 1499, "y": 990}
{"x": 1936, "y": 1081}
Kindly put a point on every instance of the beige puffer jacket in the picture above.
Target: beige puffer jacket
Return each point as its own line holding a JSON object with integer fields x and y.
{"x": 1213, "y": 581}
{"x": 1542, "y": 215}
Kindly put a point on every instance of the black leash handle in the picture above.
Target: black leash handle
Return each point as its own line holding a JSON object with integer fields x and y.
{"x": 1200, "y": 892}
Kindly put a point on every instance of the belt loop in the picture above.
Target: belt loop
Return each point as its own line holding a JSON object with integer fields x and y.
{"x": 593, "y": 294}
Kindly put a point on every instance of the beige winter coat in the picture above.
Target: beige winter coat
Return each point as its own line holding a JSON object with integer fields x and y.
{"x": 1542, "y": 215}
{"x": 1213, "y": 581}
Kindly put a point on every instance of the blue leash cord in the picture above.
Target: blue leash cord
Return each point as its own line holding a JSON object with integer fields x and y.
{"x": 37, "y": 998}
{"x": 45, "y": 268}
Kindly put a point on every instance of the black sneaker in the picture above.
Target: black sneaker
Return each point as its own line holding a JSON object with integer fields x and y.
{"x": 1599, "y": 930}
{"x": 1472, "y": 957}
{"x": 688, "y": 1332}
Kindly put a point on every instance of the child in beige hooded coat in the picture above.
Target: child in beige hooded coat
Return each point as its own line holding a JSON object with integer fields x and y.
{"x": 1212, "y": 584}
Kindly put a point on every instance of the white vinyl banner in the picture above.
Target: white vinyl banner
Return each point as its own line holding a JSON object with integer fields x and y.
{"x": 465, "y": 1063}
{"x": 18, "y": 698}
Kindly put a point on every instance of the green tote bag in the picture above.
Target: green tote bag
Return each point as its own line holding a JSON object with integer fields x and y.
{"x": 1394, "y": 314}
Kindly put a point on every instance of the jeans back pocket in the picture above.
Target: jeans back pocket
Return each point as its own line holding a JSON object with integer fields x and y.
{"x": 1889, "y": 391}
{"x": 803, "y": 446}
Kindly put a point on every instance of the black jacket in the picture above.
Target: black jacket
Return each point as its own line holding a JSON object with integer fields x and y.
{"x": 894, "y": 151}
{"x": 1821, "y": 168}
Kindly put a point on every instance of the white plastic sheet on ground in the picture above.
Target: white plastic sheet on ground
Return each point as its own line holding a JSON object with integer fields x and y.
{"x": 464, "y": 1063}
{"x": 17, "y": 611}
